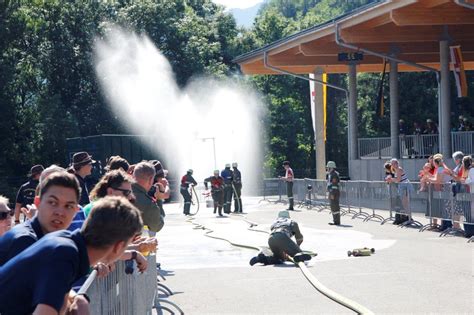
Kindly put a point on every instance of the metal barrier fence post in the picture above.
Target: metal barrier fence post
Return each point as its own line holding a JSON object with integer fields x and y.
{"x": 363, "y": 191}
{"x": 120, "y": 293}
{"x": 377, "y": 195}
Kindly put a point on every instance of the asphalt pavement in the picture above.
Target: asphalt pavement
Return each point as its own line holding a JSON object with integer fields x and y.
{"x": 411, "y": 272}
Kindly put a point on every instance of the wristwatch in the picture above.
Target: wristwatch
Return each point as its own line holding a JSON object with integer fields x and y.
{"x": 134, "y": 255}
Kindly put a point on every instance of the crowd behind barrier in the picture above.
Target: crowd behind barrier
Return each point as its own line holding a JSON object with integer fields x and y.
{"x": 446, "y": 206}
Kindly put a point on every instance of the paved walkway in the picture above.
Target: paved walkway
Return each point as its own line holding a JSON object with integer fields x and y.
{"x": 410, "y": 273}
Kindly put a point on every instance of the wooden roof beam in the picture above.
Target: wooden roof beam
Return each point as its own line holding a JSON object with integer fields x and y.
{"x": 451, "y": 15}
{"x": 301, "y": 60}
{"x": 404, "y": 34}
{"x": 432, "y": 3}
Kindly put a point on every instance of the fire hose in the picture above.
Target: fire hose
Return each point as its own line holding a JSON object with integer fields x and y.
{"x": 336, "y": 297}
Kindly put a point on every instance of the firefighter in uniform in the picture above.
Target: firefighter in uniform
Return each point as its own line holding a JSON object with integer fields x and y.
{"x": 227, "y": 175}
{"x": 217, "y": 190}
{"x": 237, "y": 182}
{"x": 187, "y": 180}
{"x": 334, "y": 193}
{"x": 281, "y": 244}
{"x": 289, "y": 184}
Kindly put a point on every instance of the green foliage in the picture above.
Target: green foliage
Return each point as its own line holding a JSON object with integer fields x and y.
{"x": 48, "y": 88}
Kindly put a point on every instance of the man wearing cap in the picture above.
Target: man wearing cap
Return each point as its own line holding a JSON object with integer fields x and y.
{"x": 187, "y": 180}
{"x": 227, "y": 174}
{"x": 237, "y": 182}
{"x": 281, "y": 244}
{"x": 217, "y": 190}
{"x": 334, "y": 193}
{"x": 26, "y": 194}
{"x": 82, "y": 165}
{"x": 289, "y": 183}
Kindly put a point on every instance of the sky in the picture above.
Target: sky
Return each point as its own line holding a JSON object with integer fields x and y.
{"x": 241, "y": 4}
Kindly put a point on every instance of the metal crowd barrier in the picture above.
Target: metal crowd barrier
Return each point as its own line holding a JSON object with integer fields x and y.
{"x": 452, "y": 204}
{"x": 121, "y": 293}
{"x": 273, "y": 190}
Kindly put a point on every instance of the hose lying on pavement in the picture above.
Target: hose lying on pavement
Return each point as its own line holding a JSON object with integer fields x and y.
{"x": 354, "y": 306}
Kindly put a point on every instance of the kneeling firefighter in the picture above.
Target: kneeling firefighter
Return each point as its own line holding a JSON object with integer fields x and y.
{"x": 281, "y": 244}
{"x": 217, "y": 190}
{"x": 187, "y": 180}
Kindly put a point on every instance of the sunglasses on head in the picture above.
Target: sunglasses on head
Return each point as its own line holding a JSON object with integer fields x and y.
{"x": 4, "y": 215}
{"x": 125, "y": 192}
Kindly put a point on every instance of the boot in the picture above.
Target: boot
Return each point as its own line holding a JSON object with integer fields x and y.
{"x": 404, "y": 218}
{"x": 291, "y": 204}
{"x": 301, "y": 257}
{"x": 215, "y": 209}
{"x": 398, "y": 220}
{"x": 220, "y": 211}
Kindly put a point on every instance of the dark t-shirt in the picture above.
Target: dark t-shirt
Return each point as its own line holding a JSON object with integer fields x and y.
{"x": 43, "y": 273}
{"x": 84, "y": 200}
{"x": 26, "y": 194}
{"x": 18, "y": 239}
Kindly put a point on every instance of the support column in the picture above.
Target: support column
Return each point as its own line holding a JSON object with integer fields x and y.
{"x": 318, "y": 123}
{"x": 445, "y": 110}
{"x": 352, "y": 115}
{"x": 394, "y": 111}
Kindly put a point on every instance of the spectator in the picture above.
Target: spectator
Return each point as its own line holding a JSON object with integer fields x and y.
{"x": 405, "y": 189}
{"x": 30, "y": 211}
{"x": 117, "y": 162}
{"x": 160, "y": 190}
{"x": 402, "y": 129}
{"x": 461, "y": 126}
{"x": 417, "y": 130}
{"x": 26, "y": 194}
{"x": 82, "y": 165}
{"x": 59, "y": 194}
{"x": 424, "y": 176}
{"x": 144, "y": 174}
{"x": 114, "y": 183}
{"x": 6, "y": 215}
{"x": 431, "y": 128}
{"x": 467, "y": 163}
{"x": 459, "y": 175}
{"x": 467, "y": 124}
{"x": 63, "y": 257}
{"x": 430, "y": 144}
{"x": 441, "y": 181}
{"x": 388, "y": 171}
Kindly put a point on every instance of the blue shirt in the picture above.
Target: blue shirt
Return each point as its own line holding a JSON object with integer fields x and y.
{"x": 78, "y": 220}
{"x": 18, "y": 239}
{"x": 43, "y": 273}
{"x": 227, "y": 175}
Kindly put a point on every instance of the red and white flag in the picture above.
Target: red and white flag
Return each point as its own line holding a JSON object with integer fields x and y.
{"x": 458, "y": 69}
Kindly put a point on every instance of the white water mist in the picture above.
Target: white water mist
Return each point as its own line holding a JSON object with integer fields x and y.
{"x": 186, "y": 124}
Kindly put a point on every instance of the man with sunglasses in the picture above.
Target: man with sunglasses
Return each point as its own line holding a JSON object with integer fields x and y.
{"x": 6, "y": 215}
{"x": 113, "y": 183}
